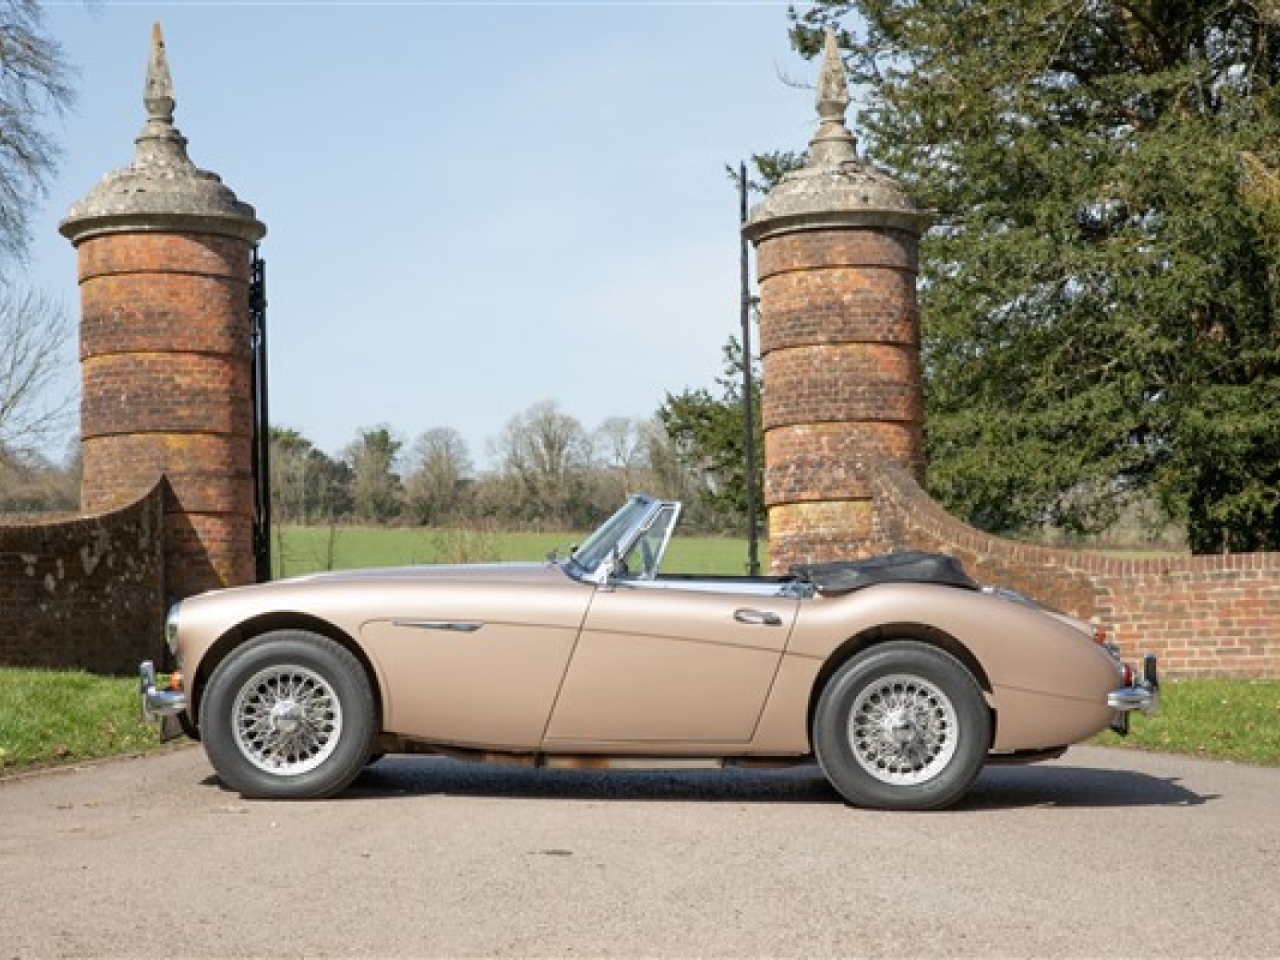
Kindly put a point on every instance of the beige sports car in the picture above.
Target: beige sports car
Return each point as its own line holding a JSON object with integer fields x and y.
{"x": 900, "y": 675}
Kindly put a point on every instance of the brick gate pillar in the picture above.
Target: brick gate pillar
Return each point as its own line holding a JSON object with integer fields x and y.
{"x": 164, "y": 252}
{"x": 836, "y": 245}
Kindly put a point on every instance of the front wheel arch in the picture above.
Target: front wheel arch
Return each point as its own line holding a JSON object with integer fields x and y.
{"x": 252, "y": 629}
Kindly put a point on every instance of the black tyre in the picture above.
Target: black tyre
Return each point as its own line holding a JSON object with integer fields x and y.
{"x": 288, "y": 715}
{"x": 903, "y": 726}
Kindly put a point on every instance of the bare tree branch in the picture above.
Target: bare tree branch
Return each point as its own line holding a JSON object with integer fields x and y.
{"x": 34, "y": 83}
{"x": 34, "y": 329}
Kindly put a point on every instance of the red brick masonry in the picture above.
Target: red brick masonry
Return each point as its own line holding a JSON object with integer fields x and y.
{"x": 85, "y": 593}
{"x": 839, "y": 339}
{"x": 1206, "y": 616}
{"x": 165, "y": 361}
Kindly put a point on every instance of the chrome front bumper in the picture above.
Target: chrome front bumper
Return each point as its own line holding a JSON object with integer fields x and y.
{"x": 1143, "y": 694}
{"x": 161, "y": 706}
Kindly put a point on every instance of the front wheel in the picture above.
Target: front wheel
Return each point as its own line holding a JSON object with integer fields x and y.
{"x": 288, "y": 715}
{"x": 903, "y": 726}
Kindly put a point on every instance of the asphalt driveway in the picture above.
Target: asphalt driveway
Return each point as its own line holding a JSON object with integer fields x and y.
{"x": 1103, "y": 852}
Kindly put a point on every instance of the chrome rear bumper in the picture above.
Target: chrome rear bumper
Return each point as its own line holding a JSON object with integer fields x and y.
{"x": 1143, "y": 694}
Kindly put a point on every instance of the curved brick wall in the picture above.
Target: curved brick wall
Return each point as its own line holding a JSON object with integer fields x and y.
{"x": 87, "y": 592}
{"x": 1205, "y": 616}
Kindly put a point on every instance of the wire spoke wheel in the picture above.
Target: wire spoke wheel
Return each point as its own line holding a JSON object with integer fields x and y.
{"x": 288, "y": 715}
{"x": 287, "y": 720}
{"x": 902, "y": 730}
{"x": 902, "y": 726}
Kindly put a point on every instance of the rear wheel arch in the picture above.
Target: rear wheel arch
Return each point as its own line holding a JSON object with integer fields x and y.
{"x": 271, "y": 623}
{"x": 859, "y": 644}
{"x": 902, "y": 725}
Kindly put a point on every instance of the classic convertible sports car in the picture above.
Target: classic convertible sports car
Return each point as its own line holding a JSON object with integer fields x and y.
{"x": 899, "y": 674}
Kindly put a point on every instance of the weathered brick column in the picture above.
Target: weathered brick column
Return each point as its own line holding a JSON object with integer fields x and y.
{"x": 837, "y": 245}
{"x": 165, "y": 261}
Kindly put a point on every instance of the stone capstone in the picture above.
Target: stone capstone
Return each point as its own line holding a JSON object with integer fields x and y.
{"x": 846, "y": 194}
{"x": 161, "y": 194}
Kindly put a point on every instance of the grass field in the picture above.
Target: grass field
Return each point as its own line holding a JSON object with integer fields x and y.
{"x": 298, "y": 550}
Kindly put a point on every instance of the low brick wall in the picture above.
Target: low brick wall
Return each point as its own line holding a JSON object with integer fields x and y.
{"x": 1205, "y": 616}
{"x": 85, "y": 592}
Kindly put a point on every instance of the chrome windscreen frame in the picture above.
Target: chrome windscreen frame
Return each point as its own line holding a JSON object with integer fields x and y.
{"x": 597, "y": 559}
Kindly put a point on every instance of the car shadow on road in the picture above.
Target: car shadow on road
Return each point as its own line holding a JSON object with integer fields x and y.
{"x": 1003, "y": 788}
{"x": 435, "y": 776}
{"x": 997, "y": 788}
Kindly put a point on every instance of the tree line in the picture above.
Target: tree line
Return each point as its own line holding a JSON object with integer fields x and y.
{"x": 548, "y": 471}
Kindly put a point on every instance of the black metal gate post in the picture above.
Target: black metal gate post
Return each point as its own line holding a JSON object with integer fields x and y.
{"x": 748, "y": 387}
{"x": 261, "y": 462}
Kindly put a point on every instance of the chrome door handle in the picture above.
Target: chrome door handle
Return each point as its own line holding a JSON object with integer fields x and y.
{"x": 758, "y": 617}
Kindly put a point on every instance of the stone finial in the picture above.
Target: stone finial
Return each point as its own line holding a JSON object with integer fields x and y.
{"x": 158, "y": 95}
{"x": 160, "y": 145}
{"x": 161, "y": 189}
{"x": 833, "y": 144}
{"x": 834, "y": 188}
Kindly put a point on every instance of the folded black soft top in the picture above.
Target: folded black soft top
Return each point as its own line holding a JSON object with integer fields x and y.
{"x": 845, "y": 576}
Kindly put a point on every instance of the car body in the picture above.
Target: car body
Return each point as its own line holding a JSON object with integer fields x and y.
{"x": 899, "y": 674}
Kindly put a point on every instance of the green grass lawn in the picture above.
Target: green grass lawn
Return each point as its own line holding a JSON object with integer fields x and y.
{"x": 50, "y": 717}
{"x": 1219, "y": 719}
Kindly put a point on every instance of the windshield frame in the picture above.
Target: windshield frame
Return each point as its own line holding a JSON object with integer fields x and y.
{"x": 595, "y": 559}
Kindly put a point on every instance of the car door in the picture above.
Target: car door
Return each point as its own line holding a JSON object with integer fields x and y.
{"x": 657, "y": 665}
{"x": 478, "y": 665}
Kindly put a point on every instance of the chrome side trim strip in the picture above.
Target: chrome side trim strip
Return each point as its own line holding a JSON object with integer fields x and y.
{"x": 450, "y": 626}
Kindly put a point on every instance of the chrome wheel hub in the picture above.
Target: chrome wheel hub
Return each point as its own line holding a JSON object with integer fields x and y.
{"x": 903, "y": 730}
{"x": 287, "y": 720}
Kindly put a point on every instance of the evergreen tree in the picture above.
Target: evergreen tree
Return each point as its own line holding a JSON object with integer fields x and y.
{"x": 1099, "y": 294}
{"x": 707, "y": 431}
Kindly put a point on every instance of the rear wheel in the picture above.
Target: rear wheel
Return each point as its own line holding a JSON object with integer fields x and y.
{"x": 289, "y": 715}
{"x": 903, "y": 726}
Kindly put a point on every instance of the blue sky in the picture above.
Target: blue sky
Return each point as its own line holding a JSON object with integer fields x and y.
{"x": 471, "y": 207}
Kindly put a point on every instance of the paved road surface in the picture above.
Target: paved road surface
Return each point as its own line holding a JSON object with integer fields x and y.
{"x": 1101, "y": 853}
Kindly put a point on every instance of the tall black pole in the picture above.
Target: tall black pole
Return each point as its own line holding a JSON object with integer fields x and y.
{"x": 261, "y": 421}
{"x": 748, "y": 387}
